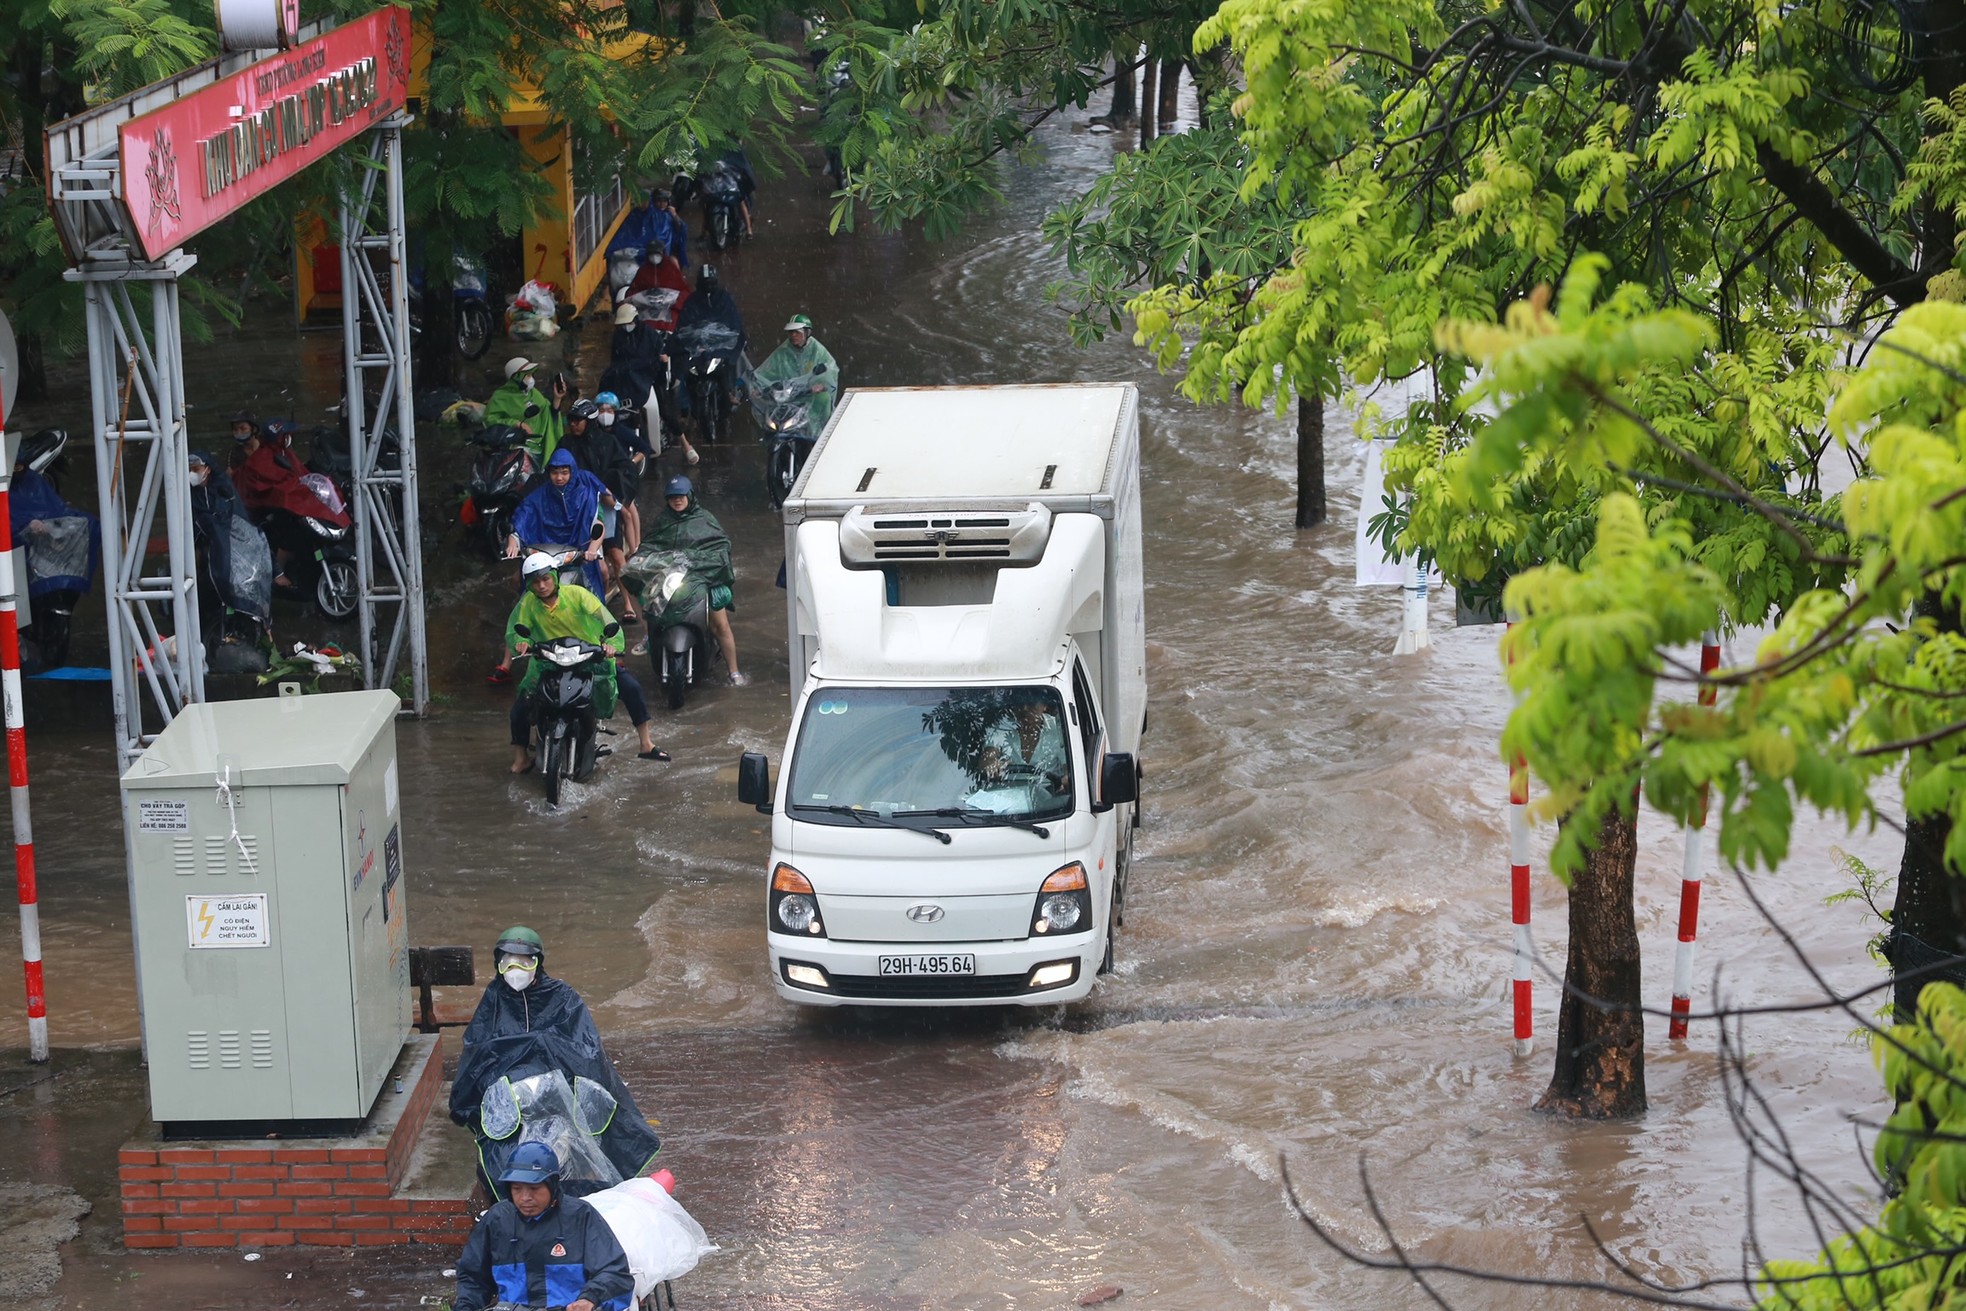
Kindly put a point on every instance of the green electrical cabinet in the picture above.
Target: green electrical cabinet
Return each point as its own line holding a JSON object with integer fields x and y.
{"x": 266, "y": 886}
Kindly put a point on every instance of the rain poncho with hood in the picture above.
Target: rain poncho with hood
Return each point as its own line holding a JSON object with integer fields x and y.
{"x": 693, "y": 542}
{"x": 789, "y": 361}
{"x": 238, "y": 564}
{"x": 62, "y": 555}
{"x": 538, "y": 1055}
{"x": 556, "y": 516}
{"x": 512, "y": 402}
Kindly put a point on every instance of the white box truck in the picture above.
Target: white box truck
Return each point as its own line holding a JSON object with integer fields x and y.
{"x": 953, "y": 822}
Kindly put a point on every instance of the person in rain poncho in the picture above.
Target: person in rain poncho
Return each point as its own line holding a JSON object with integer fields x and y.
{"x": 800, "y": 354}
{"x": 528, "y": 1022}
{"x": 684, "y": 525}
{"x": 519, "y": 403}
{"x": 563, "y": 510}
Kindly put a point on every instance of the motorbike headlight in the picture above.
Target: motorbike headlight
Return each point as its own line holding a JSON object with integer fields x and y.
{"x": 672, "y": 585}
{"x": 324, "y": 529}
{"x": 714, "y": 362}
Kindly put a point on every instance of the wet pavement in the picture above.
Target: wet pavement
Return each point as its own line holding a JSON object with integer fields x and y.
{"x": 1314, "y": 965}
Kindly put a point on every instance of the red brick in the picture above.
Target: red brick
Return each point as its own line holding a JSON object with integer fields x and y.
{"x": 364, "y": 1221}
{"x": 413, "y": 1222}
{"x": 320, "y": 1172}
{"x": 306, "y": 1222}
{"x": 300, "y": 1156}
{"x": 266, "y": 1206}
{"x": 376, "y": 1188}
{"x": 150, "y": 1240}
{"x": 245, "y": 1156}
{"x": 205, "y": 1206}
{"x": 184, "y": 1156}
{"x": 380, "y": 1240}
{"x": 380, "y": 1172}
{"x": 212, "y": 1172}
{"x": 209, "y": 1240}
{"x": 149, "y": 1208}
{"x": 139, "y": 1190}
{"x": 262, "y": 1172}
{"x": 238, "y": 1222}
{"x": 143, "y": 1224}
{"x": 139, "y": 1174}
{"x": 189, "y": 1224}
{"x": 136, "y": 1156}
{"x": 187, "y": 1190}
{"x": 439, "y": 1205}
{"x": 304, "y": 1188}
{"x": 381, "y": 1205}
{"x": 323, "y": 1206}
{"x": 324, "y": 1238}
{"x": 268, "y": 1238}
{"x": 245, "y": 1190}
{"x": 356, "y": 1155}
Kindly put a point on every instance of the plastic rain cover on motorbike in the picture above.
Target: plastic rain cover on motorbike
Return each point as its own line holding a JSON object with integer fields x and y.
{"x": 650, "y": 572}
{"x": 60, "y": 554}
{"x": 542, "y": 1108}
{"x": 248, "y": 582}
{"x": 707, "y": 338}
{"x": 661, "y": 1239}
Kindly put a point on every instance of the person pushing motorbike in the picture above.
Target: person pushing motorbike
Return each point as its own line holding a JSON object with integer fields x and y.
{"x": 548, "y": 610}
{"x": 538, "y": 1248}
{"x": 802, "y": 353}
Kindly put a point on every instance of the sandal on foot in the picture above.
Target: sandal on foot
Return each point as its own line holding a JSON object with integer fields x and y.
{"x": 690, "y": 457}
{"x": 499, "y": 675}
{"x": 653, "y": 753}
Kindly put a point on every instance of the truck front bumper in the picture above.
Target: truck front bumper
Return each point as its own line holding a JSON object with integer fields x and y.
{"x": 817, "y": 972}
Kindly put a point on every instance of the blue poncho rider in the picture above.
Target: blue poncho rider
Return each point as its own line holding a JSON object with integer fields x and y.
{"x": 654, "y": 226}
{"x": 539, "y": 1248}
{"x": 548, "y": 610}
{"x": 566, "y": 508}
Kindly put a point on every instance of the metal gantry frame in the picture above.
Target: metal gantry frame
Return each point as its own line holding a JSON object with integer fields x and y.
{"x": 375, "y": 336}
{"x": 137, "y": 401}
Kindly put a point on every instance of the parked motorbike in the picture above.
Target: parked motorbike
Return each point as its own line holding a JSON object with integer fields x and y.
{"x": 564, "y": 714}
{"x": 674, "y": 590}
{"x": 63, "y": 546}
{"x": 322, "y": 563}
{"x": 470, "y": 306}
{"x": 723, "y": 199}
{"x": 704, "y": 377}
{"x": 502, "y": 473}
{"x": 783, "y": 412}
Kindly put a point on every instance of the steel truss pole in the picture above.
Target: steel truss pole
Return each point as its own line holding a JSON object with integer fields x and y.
{"x": 375, "y": 334}
{"x": 136, "y": 376}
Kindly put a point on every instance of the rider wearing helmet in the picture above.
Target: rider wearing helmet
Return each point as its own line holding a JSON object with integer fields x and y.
{"x": 710, "y": 306}
{"x": 686, "y": 525}
{"x": 538, "y": 1248}
{"x": 549, "y": 610}
{"x": 520, "y": 403}
{"x": 800, "y": 354}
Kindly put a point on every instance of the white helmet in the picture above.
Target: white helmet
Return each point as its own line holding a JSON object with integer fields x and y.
{"x": 539, "y": 562}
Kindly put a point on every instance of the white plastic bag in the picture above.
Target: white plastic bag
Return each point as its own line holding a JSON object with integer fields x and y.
{"x": 536, "y": 298}
{"x": 662, "y": 1240}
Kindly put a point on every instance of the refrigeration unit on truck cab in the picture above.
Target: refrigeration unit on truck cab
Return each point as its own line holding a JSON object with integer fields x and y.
{"x": 953, "y": 820}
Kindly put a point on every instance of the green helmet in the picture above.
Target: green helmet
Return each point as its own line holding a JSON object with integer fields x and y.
{"x": 519, "y": 941}
{"x": 799, "y": 323}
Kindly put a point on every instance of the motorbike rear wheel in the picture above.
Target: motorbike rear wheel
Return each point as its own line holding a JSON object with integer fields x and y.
{"x": 335, "y": 593}
{"x": 675, "y": 677}
{"x": 474, "y": 328}
{"x": 553, "y": 763}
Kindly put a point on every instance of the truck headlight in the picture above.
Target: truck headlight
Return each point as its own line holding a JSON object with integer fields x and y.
{"x": 1064, "y": 902}
{"x": 794, "y": 905}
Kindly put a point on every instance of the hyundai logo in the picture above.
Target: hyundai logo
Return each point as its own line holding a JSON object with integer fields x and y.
{"x": 925, "y": 914}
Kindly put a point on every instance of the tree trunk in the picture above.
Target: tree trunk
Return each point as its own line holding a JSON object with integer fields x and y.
{"x": 1600, "y": 1034}
{"x": 1310, "y": 461}
{"x": 1149, "y": 69}
{"x": 1928, "y": 922}
{"x": 1170, "y": 94}
{"x": 433, "y": 358}
{"x": 1124, "y": 105}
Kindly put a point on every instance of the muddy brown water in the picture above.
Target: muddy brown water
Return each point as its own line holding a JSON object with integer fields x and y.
{"x": 1314, "y": 968}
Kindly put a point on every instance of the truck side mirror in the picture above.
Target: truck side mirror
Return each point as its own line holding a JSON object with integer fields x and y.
{"x": 754, "y": 781}
{"x": 1119, "y": 781}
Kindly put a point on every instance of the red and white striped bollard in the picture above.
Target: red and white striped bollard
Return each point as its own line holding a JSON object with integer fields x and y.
{"x": 30, "y": 908}
{"x": 1689, "y": 881}
{"x": 1521, "y": 987}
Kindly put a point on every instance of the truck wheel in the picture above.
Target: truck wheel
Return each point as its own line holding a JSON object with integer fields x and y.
{"x": 1112, "y": 922}
{"x": 1122, "y": 866}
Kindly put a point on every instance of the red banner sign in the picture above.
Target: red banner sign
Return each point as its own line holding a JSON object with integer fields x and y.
{"x": 188, "y": 165}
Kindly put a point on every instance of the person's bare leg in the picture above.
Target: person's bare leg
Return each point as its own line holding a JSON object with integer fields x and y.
{"x": 720, "y": 625}
{"x": 521, "y": 760}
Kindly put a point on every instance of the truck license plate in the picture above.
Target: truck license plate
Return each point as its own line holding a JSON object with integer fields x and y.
{"x": 948, "y": 964}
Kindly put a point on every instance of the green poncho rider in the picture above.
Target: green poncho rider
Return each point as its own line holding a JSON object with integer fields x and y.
{"x": 802, "y": 353}
{"x": 519, "y": 403}
{"x": 551, "y": 609}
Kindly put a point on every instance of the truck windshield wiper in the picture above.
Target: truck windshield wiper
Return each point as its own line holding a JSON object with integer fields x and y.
{"x": 968, "y": 815}
{"x": 860, "y": 816}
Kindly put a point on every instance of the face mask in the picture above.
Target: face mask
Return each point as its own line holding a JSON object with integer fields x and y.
{"x": 607, "y": 420}
{"x": 527, "y": 383}
{"x": 518, "y": 980}
{"x": 630, "y": 325}
{"x": 197, "y": 477}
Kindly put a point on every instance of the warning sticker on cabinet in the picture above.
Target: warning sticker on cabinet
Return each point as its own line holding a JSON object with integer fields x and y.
{"x": 235, "y": 921}
{"x": 155, "y": 815}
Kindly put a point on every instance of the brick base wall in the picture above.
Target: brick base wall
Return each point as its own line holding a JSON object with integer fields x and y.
{"x": 343, "y": 1192}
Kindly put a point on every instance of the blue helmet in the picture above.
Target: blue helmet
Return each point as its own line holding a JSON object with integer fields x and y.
{"x": 608, "y": 398}
{"x": 679, "y": 486}
{"x": 531, "y": 1163}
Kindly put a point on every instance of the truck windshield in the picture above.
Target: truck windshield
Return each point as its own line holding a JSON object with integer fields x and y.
{"x": 932, "y": 755}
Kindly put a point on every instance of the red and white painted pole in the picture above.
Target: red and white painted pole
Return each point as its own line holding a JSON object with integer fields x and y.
{"x": 30, "y": 908}
{"x": 1525, "y": 1015}
{"x": 1689, "y": 881}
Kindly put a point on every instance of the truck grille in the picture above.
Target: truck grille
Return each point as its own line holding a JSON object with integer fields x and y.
{"x": 936, "y": 987}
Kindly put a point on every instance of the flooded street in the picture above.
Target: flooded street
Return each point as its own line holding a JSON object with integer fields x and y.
{"x": 1315, "y": 962}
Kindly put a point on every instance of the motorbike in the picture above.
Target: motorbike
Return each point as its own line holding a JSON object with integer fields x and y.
{"x": 322, "y": 564}
{"x": 783, "y": 414}
{"x": 564, "y": 712}
{"x": 723, "y": 199}
{"x": 502, "y": 473}
{"x": 63, "y": 546}
{"x": 470, "y": 306}
{"x": 704, "y": 376}
{"x": 674, "y": 590}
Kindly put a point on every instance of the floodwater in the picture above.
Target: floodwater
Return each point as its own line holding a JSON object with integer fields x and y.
{"x": 1314, "y": 970}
